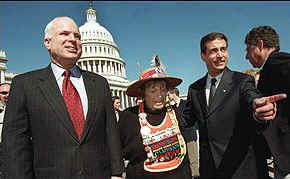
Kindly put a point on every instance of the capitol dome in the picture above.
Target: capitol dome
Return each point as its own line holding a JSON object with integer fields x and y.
{"x": 101, "y": 55}
{"x": 93, "y": 31}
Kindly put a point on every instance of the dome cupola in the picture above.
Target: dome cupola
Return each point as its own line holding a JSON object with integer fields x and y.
{"x": 93, "y": 31}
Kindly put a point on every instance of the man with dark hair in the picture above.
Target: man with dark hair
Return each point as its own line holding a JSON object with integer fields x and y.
{"x": 117, "y": 104}
{"x": 190, "y": 133}
{"x": 138, "y": 100}
{"x": 263, "y": 52}
{"x": 225, "y": 103}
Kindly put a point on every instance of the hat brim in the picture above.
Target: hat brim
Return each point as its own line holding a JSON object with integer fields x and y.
{"x": 135, "y": 89}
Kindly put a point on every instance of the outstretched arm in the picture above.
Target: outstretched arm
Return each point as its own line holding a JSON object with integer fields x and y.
{"x": 265, "y": 108}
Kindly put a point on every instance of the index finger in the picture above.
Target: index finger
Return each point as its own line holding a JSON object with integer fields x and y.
{"x": 276, "y": 97}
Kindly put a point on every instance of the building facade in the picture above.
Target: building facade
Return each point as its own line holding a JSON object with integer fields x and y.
{"x": 101, "y": 55}
{"x": 5, "y": 76}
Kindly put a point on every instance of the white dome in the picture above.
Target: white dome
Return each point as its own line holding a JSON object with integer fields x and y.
{"x": 93, "y": 31}
{"x": 100, "y": 54}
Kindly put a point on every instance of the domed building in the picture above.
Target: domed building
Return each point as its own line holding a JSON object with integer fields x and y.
{"x": 101, "y": 55}
{"x": 5, "y": 77}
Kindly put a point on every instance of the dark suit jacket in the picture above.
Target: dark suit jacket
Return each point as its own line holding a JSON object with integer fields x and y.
{"x": 275, "y": 78}
{"x": 227, "y": 129}
{"x": 39, "y": 138}
{"x": 189, "y": 132}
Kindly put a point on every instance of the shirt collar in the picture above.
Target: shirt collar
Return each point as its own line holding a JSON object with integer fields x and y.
{"x": 218, "y": 78}
{"x": 58, "y": 71}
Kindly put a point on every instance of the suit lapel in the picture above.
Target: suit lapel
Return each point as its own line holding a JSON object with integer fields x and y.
{"x": 91, "y": 91}
{"x": 222, "y": 91}
{"x": 201, "y": 95}
{"x": 50, "y": 89}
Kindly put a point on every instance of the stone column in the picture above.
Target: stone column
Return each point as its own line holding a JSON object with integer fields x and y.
{"x": 105, "y": 67}
{"x": 114, "y": 67}
{"x": 110, "y": 67}
{"x": 84, "y": 66}
{"x": 94, "y": 66}
{"x": 116, "y": 71}
{"x": 99, "y": 66}
{"x": 89, "y": 66}
{"x": 2, "y": 75}
{"x": 119, "y": 70}
{"x": 113, "y": 93}
{"x": 132, "y": 101}
{"x": 126, "y": 99}
{"x": 123, "y": 99}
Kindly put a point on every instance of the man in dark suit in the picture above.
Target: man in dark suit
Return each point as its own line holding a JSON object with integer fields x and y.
{"x": 225, "y": 102}
{"x": 116, "y": 103}
{"x": 59, "y": 122}
{"x": 263, "y": 52}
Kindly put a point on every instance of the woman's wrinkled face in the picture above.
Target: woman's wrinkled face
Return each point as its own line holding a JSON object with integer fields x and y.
{"x": 155, "y": 92}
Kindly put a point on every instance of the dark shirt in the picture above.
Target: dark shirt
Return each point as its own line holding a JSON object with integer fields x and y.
{"x": 190, "y": 133}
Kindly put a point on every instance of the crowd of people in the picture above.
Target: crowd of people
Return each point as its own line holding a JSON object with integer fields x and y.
{"x": 61, "y": 121}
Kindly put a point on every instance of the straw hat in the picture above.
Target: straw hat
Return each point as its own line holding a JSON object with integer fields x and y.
{"x": 156, "y": 72}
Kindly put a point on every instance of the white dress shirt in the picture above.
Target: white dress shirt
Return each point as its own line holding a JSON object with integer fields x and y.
{"x": 208, "y": 83}
{"x": 76, "y": 79}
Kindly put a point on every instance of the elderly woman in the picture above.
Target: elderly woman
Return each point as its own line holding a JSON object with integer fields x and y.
{"x": 150, "y": 133}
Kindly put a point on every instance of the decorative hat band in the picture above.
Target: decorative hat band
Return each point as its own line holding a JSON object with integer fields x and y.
{"x": 156, "y": 72}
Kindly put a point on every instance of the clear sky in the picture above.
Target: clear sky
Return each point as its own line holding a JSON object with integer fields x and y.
{"x": 170, "y": 29}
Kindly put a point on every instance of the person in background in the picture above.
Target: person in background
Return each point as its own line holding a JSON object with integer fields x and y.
{"x": 263, "y": 51}
{"x": 59, "y": 121}
{"x": 4, "y": 93}
{"x": 151, "y": 132}
{"x": 117, "y": 104}
{"x": 190, "y": 133}
{"x": 230, "y": 111}
{"x": 138, "y": 100}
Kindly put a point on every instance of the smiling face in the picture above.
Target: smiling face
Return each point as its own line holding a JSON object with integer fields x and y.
{"x": 155, "y": 94}
{"x": 63, "y": 41}
{"x": 215, "y": 56}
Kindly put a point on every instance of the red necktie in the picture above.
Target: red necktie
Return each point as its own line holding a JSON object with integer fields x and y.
{"x": 73, "y": 104}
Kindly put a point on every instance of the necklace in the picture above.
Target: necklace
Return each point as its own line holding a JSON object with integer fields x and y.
{"x": 163, "y": 143}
